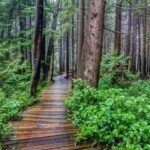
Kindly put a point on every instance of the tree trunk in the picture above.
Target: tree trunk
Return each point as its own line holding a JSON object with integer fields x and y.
{"x": 61, "y": 57}
{"x": 51, "y": 41}
{"x": 80, "y": 36}
{"x": 128, "y": 42}
{"x": 144, "y": 72}
{"x": 73, "y": 40}
{"x": 134, "y": 42}
{"x": 44, "y": 49}
{"x": 117, "y": 44}
{"x": 22, "y": 23}
{"x": 139, "y": 44}
{"x": 37, "y": 47}
{"x": 53, "y": 65}
{"x": 92, "y": 48}
{"x": 67, "y": 55}
{"x": 2, "y": 33}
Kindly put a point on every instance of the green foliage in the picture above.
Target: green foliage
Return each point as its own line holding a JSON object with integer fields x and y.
{"x": 14, "y": 95}
{"x": 65, "y": 16}
{"x": 117, "y": 114}
{"x": 140, "y": 88}
{"x": 114, "y": 71}
{"x": 14, "y": 76}
{"x": 117, "y": 118}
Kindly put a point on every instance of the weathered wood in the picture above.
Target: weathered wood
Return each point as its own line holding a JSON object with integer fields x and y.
{"x": 45, "y": 125}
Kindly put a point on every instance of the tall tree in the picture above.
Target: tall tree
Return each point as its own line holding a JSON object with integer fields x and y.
{"x": 144, "y": 72}
{"x": 92, "y": 47}
{"x": 128, "y": 40}
{"x": 44, "y": 47}
{"x": 117, "y": 44}
{"x": 80, "y": 35}
{"x": 73, "y": 39}
{"x": 37, "y": 47}
{"x": 67, "y": 55}
{"x": 134, "y": 42}
{"x": 61, "y": 58}
{"x": 22, "y": 22}
{"x": 51, "y": 40}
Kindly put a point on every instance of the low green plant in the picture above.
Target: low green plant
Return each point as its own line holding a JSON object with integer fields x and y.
{"x": 114, "y": 71}
{"x": 113, "y": 117}
{"x": 14, "y": 95}
{"x": 140, "y": 87}
{"x": 117, "y": 115}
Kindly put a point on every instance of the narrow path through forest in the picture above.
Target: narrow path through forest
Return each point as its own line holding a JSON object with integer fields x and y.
{"x": 45, "y": 125}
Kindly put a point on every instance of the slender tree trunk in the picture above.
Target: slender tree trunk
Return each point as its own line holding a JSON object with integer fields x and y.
{"x": 30, "y": 48}
{"x": 2, "y": 33}
{"x": 61, "y": 57}
{"x": 144, "y": 72}
{"x": 44, "y": 49}
{"x": 67, "y": 55}
{"x": 80, "y": 36}
{"x": 64, "y": 53}
{"x": 53, "y": 65}
{"x": 134, "y": 43}
{"x": 51, "y": 41}
{"x": 128, "y": 42}
{"x": 37, "y": 47}
{"x": 117, "y": 44}
{"x": 73, "y": 41}
{"x": 139, "y": 44}
{"x": 22, "y": 23}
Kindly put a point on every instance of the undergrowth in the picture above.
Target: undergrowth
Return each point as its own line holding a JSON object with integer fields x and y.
{"x": 14, "y": 94}
{"x": 117, "y": 115}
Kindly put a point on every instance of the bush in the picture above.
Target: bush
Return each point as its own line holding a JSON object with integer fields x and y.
{"x": 140, "y": 87}
{"x": 114, "y": 117}
{"x": 114, "y": 71}
{"x": 14, "y": 95}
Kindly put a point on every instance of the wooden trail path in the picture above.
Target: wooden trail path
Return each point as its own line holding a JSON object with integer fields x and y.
{"x": 45, "y": 125}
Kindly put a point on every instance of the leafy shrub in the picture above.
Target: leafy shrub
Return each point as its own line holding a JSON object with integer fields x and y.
{"x": 140, "y": 87}
{"x": 14, "y": 95}
{"x": 114, "y": 70}
{"x": 114, "y": 117}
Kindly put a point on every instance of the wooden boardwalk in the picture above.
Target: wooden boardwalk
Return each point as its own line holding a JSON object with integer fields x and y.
{"x": 45, "y": 125}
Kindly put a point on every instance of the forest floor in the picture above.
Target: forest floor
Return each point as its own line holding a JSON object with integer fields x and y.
{"x": 45, "y": 125}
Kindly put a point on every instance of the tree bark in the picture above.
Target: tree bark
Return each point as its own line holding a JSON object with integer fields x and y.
{"x": 80, "y": 36}
{"x": 51, "y": 41}
{"x": 92, "y": 48}
{"x": 73, "y": 40}
{"x": 134, "y": 44}
{"x": 144, "y": 72}
{"x": 67, "y": 55}
{"x": 44, "y": 49}
{"x": 22, "y": 23}
{"x": 37, "y": 47}
{"x": 117, "y": 44}
{"x": 128, "y": 42}
{"x": 61, "y": 57}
